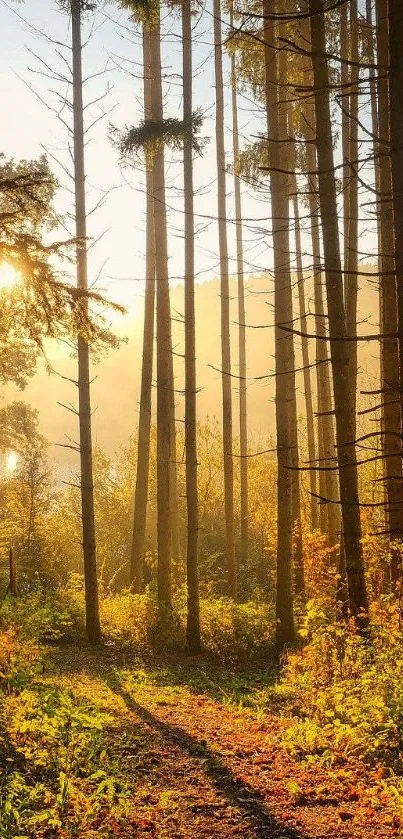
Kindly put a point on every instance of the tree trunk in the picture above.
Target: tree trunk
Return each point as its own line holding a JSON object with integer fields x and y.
{"x": 283, "y": 340}
{"x": 339, "y": 348}
{"x": 93, "y": 628}
{"x": 328, "y": 484}
{"x": 243, "y": 427}
{"x": 143, "y": 444}
{"x": 193, "y": 610}
{"x": 225, "y": 318}
{"x": 164, "y": 350}
{"x": 351, "y": 259}
{"x": 345, "y": 123}
{"x": 288, "y": 162}
{"x": 310, "y": 426}
{"x": 392, "y": 446}
{"x": 12, "y": 584}
{"x": 173, "y": 462}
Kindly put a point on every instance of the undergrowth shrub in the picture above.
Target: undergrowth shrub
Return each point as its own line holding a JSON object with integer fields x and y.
{"x": 45, "y": 617}
{"x": 345, "y": 691}
{"x": 231, "y": 632}
{"x": 134, "y": 621}
{"x": 236, "y": 631}
{"x": 19, "y": 661}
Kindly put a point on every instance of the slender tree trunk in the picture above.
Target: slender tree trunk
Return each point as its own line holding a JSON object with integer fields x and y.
{"x": 193, "y": 611}
{"x": 173, "y": 463}
{"x": 345, "y": 123}
{"x": 339, "y": 348}
{"x": 143, "y": 444}
{"x": 225, "y": 318}
{"x": 392, "y": 448}
{"x": 283, "y": 340}
{"x": 328, "y": 487}
{"x": 395, "y": 36}
{"x": 12, "y": 584}
{"x": 374, "y": 112}
{"x": 310, "y": 426}
{"x": 164, "y": 349}
{"x": 243, "y": 427}
{"x": 288, "y": 161}
{"x": 351, "y": 261}
{"x": 93, "y": 628}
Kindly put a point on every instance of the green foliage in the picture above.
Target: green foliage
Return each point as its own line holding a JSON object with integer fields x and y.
{"x": 346, "y": 691}
{"x": 44, "y": 618}
{"x": 41, "y": 305}
{"x": 150, "y": 136}
{"x": 236, "y": 631}
{"x": 146, "y": 12}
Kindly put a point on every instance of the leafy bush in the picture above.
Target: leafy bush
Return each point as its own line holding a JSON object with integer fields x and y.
{"x": 45, "y": 617}
{"x": 19, "y": 660}
{"x": 346, "y": 691}
{"x": 236, "y": 631}
{"x": 134, "y": 621}
{"x": 230, "y": 631}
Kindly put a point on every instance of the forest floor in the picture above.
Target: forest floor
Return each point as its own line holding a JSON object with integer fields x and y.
{"x": 190, "y": 759}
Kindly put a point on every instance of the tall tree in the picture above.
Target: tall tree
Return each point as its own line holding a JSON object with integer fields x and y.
{"x": 193, "y": 611}
{"x": 339, "y": 346}
{"x": 243, "y": 423}
{"x": 395, "y": 32}
{"x": 351, "y": 245}
{"x": 164, "y": 348}
{"x": 143, "y": 444}
{"x": 225, "y": 302}
{"x": 310, "y": 425}
{"x": 392, "y": 445}
{"x": 87, "y": 483}
{"x": 283, "y": 340}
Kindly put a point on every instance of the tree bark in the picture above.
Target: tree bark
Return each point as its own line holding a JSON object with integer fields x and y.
{"x": 93, "y": 628}
{"x": 310, "y": 425}
{"x": 339, "y": 348}
{"x": 164, "y": 349}
{"x": 351, "y": 245}
{"x": 225, "y": 317}
{"x": 345, "y": 123}
{"x": 143, "y": 443}
{"x": 193, "y": 609}
{"x": 283, "y": 340}
{"x": 173, "y": 463}
{"x": 243, "y": 424}
{"x": 391, "y": 270}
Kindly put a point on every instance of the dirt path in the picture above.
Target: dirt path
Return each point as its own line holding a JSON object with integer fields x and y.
{"x": 201, "y": 768}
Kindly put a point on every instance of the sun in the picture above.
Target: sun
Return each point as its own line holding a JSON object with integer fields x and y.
{"x": 8, "y": 276}
{"x": 11, "y": 461}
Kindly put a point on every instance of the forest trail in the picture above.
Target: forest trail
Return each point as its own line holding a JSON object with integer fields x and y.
{"x": 196, "y": 765}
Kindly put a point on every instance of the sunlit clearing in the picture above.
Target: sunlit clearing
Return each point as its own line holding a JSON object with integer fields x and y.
{"x": 8, "y": 276}
{"x": 11, "y": 461}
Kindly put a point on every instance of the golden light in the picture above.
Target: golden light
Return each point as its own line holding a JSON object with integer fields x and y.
{"x": 8, "y": 276}
{"x": 11, "y": 461}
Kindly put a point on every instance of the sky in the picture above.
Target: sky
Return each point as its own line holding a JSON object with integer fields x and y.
{"x": 33, "y": 81}
{"x": 29, "y": 100}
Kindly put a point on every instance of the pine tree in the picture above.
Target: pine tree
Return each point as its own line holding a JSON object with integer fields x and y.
{"x": 193, "y": 611}
{"x": 143, "y": 444}
{"x": 339, "y": 347}
{"x": 225, "y": 318}
{"x": 87, "y": 483}
{"x": 243, "y": 423}
{"x": 283, "y": 340}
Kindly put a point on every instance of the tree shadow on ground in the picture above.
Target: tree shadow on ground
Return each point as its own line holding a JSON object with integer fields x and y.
{"x": 248, "y": 801}
{"x": 234, "y": 684}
